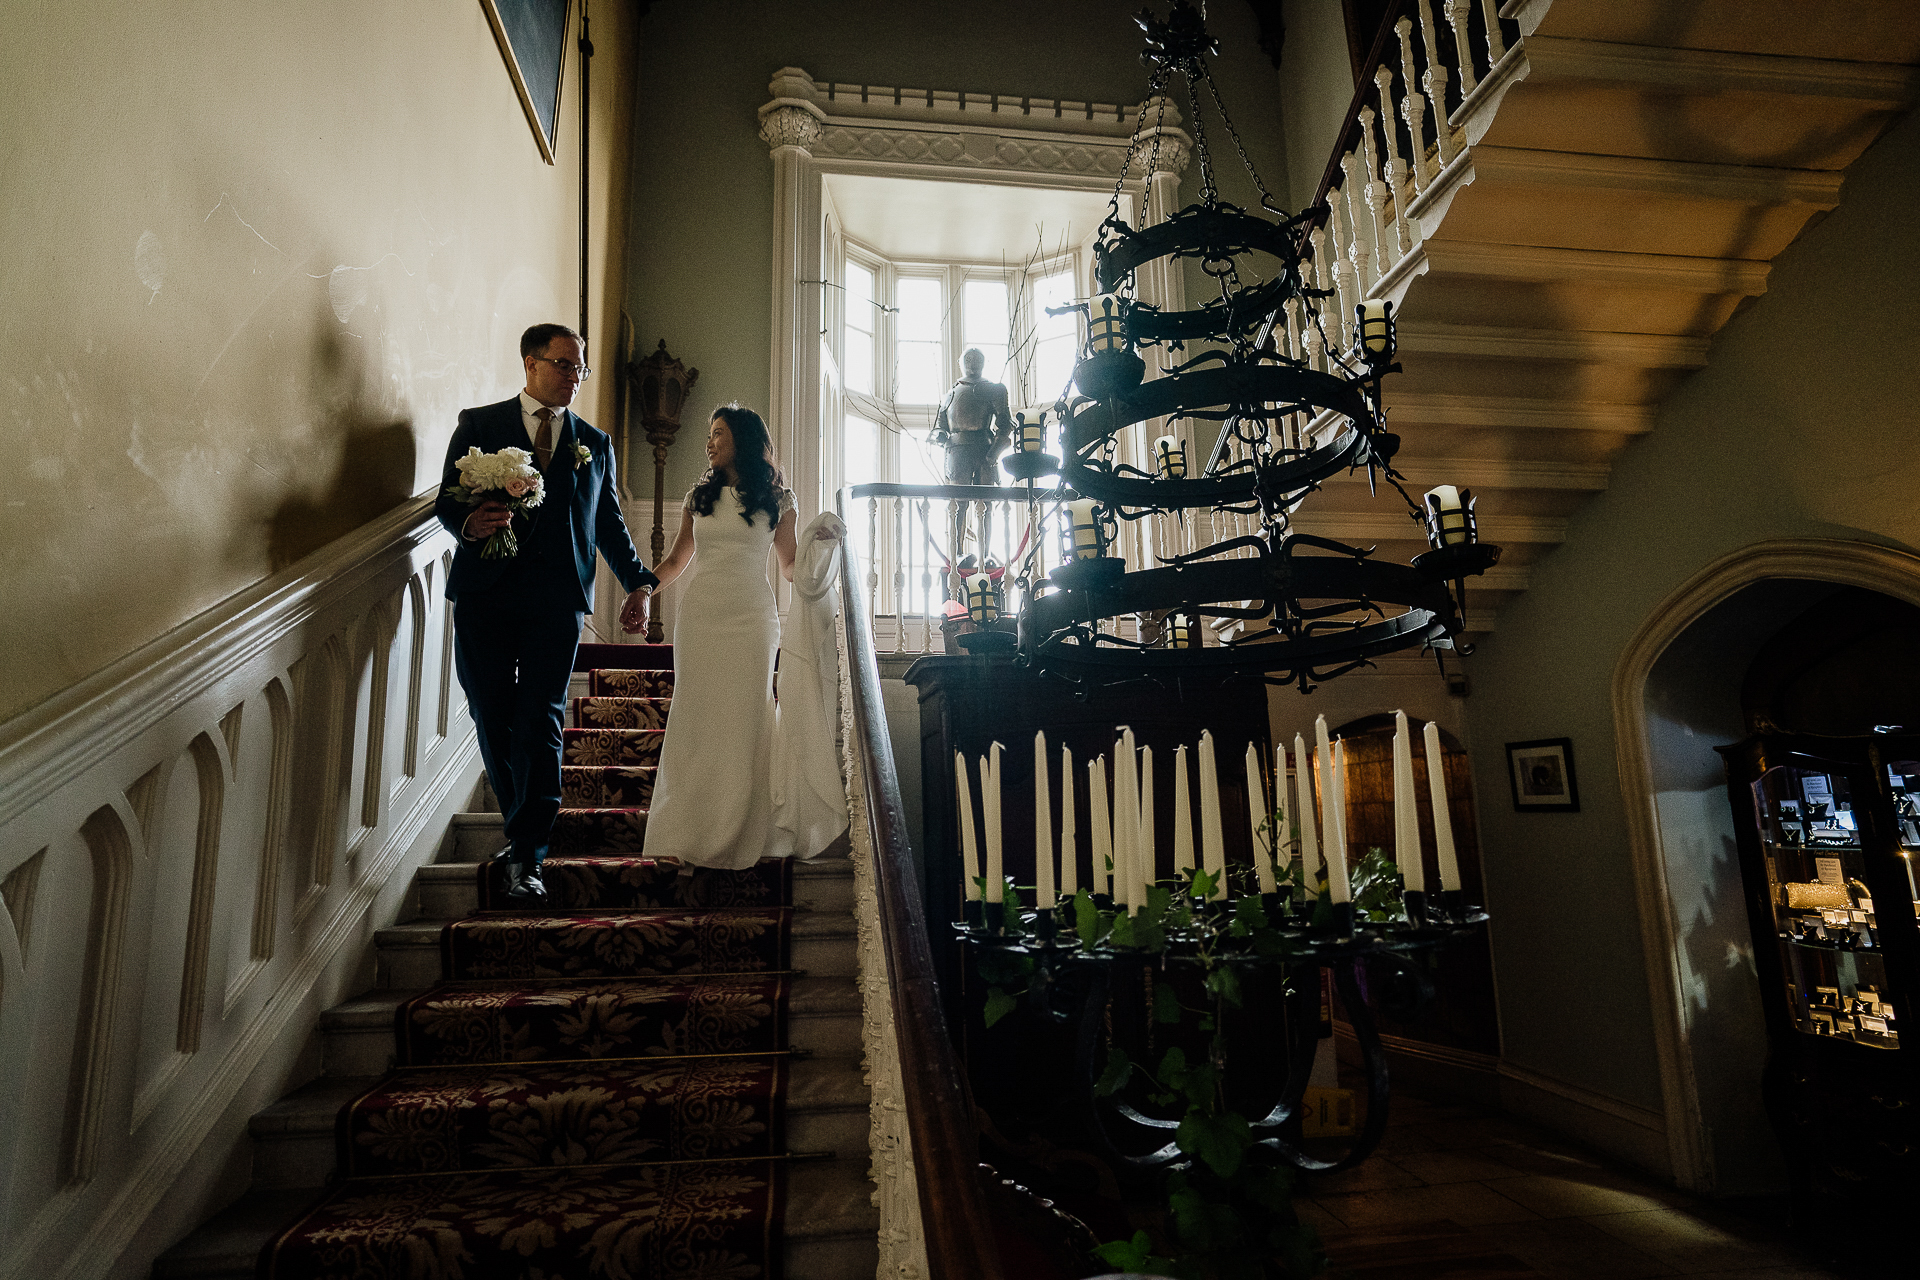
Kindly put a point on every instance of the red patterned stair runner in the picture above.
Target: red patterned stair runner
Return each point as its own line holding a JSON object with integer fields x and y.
{"x": 593, "y": 1089}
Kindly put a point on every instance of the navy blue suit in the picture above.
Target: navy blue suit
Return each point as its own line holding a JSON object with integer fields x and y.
{"x": 516, "y": 621}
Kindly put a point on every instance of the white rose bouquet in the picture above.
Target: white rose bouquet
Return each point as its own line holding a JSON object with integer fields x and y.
{"x": 508, "y": 476}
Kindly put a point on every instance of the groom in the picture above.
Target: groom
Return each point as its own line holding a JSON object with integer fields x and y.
{"x": 516, "y": 621}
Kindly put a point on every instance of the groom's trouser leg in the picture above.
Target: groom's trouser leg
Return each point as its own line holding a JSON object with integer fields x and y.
{"x": 483, "y": 657}
{"x": 549, "y": 638}
{"x": 514, "y": 662}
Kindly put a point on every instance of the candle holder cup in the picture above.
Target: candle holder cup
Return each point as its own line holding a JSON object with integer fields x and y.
{"x": 1454, "y": 906}
{"x": 972, "y": 914}
{"x": 1023, "y": 465}
{"x": 1417, "y": 908}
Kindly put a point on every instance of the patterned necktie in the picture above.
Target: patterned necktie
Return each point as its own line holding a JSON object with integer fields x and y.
{"x": 543, "y": 443}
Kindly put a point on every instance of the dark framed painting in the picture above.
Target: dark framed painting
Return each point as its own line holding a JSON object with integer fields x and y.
{"x": 1541, "y": 773}
{"x": 533, "y": 40}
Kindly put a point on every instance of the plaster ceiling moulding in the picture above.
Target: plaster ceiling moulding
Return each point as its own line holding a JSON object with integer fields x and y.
{"x": 1025, "y": 135}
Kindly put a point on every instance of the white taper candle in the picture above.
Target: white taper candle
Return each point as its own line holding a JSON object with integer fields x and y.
{"x": 1442, "y": 812}
{"x": 1182, "y": 814}
{"x": 1100, "y": 814}
{"x": 1406, "y": 814}
{"x": 1339, "y": 887}
{"x": 1042, "y": 827}
{"x": 969, "y": 845}
{"x": 1303, "y": 811}
{"x": 1126, "y": 821}
{"x": 1149, "y": 847}
{"x": 1069, "y": 829}
{"x": 1213, "y": 838}
{"x": 1256, "y": 814}
{"x": 990, "y": 793}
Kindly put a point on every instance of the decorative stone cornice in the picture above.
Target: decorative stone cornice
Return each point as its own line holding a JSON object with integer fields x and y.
{"x": 984, "y": 132}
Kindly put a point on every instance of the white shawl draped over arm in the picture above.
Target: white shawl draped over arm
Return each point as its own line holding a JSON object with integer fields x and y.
{"x": 809, "y": 795}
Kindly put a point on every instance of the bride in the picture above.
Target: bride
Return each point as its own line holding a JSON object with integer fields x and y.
{"x": 736, "y": 782}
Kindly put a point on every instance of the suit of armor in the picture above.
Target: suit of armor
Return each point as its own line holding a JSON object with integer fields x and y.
{"x": 974, "y": 426}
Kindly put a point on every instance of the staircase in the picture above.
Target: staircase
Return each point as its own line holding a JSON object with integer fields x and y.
{"x": 1609, "y": 184}
{"x": 828, "y": 1229}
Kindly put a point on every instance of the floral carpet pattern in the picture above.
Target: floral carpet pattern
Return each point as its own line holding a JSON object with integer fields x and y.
{"x": 603, "y": 747}
{"x": 616, "y": 786}
{"x": 645, "y": 1222}
{"x": 575, "y": 884}
{"x": 594, "y": 1089}
{"x": 595, "y": 1018}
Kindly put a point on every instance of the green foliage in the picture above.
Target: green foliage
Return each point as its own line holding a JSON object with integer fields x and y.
{"x": 1135, "y": 1255}
{"x": 1377, "y": 886}
{"x": 1229, "y": 1211}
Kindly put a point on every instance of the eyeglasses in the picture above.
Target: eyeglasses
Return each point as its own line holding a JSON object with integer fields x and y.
{"x": 568, "y": 369}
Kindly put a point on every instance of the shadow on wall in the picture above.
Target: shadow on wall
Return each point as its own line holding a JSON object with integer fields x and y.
{"x": 375, "y": 470}
{"x": 1693, "y": 704}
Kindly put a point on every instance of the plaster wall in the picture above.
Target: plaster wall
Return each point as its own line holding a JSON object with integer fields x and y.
{"x": 701, "y": 237}
{"x": 258, "y": 256}
{"x": 1316, "y": 84}
{"x": 1798, "y": 427}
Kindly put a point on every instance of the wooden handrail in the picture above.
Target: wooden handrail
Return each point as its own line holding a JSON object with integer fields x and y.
{"x": 1365, "y": 91}
{"x": 960, "y": 1239}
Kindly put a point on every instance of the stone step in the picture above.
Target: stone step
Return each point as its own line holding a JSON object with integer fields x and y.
{"x": 293, "y": 1140}
{"x": 449, "y": 890}
{"x": 832, "y": 1228}
{"x": 407, "y": 956}
{"x": 823, "y": 1018}
{"x": 476, "y": 836}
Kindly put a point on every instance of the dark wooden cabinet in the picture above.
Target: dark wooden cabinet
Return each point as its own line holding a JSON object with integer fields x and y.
{"x": 1828, "y": 829}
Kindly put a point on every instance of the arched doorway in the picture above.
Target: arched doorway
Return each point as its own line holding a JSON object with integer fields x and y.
{"x": 1678, "y": 692}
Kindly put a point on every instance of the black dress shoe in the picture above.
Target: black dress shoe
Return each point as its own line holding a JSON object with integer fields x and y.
{"x": 523, "y": 886}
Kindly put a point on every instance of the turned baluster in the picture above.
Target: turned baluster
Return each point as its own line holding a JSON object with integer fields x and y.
{"x": 873, "y": 557}
{"x": 1395, "y": 169}
{"x": 1458, "y": 12}
{"x": 1324, "y": 255}
{"x": 1496, "y": 43}
{"x": 926, "y": 580}
{"x": 1359, "y": 252}
{"x": 899, "y": 576}
{"x": 1413, "y": 107}
{"x": 1436, "y": 86}
{"x": 1383, "y": 241}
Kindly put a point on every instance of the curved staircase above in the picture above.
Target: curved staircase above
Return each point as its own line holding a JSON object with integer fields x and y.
{"x": 1616, "y": 177}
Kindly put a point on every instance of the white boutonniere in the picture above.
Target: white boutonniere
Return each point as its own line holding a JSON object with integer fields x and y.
{"x": 581, "y": 456}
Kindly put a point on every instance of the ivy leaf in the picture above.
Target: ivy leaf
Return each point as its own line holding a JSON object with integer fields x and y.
{"x": 1173, "y": 1068}
{"x": 1119, "y": 1067}
{"x": 1224, "y": 983}
{"x": 1166, "y": 1005}
{"x": 1123, "y": 930}
{"x": 1086, "y": 918}
{"x": 1249, "y": 916}
{"x": 1135, "y": 1255}
{"x": 1000, "y": 1003}
{"x": 1204, "y": 884}
{"x": 1218, "y": 1140}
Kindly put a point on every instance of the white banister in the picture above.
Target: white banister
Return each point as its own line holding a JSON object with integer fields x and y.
{"x": 194, "y": 842}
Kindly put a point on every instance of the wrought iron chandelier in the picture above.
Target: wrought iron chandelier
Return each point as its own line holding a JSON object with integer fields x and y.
{"x": 1312, "y": 607}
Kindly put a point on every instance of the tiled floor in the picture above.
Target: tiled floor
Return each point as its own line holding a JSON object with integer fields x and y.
{"x": 1462, "y": 1194}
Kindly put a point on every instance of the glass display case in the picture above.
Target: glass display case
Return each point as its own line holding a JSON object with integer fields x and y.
{"x": 1828, "y": 829}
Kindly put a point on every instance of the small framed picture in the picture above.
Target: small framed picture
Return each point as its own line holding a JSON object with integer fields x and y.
{"x": 1542, "y": 776}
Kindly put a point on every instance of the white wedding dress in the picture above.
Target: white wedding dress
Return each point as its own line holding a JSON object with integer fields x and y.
{"x": 740, "y": 779}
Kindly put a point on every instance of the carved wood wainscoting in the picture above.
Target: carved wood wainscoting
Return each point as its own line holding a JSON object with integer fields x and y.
{"x": 194, "y": 845}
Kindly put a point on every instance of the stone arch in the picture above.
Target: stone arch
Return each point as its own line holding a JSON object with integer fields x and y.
{"x": 1888, "y": 570}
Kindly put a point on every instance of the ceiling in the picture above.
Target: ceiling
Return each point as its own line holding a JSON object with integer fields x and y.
{"x": 908, "y": 218}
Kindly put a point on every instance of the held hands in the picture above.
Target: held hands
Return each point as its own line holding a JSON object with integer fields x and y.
{"x": 633, "y": 614}
{"x": 487, "y": 519}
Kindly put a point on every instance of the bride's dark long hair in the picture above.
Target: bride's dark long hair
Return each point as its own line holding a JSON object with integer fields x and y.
{"x": 760, "y": 481}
